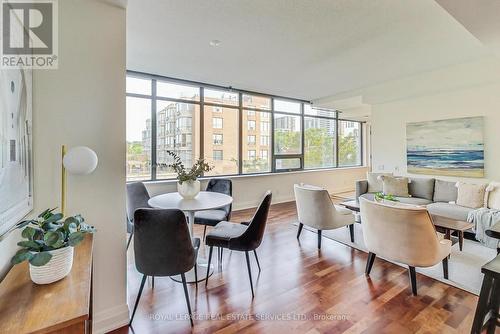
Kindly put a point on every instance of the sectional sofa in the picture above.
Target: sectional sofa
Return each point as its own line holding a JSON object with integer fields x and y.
{"x": 438, "y": 196}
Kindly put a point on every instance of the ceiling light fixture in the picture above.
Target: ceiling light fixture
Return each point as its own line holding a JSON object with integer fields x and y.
{"x": 215, "y": 42}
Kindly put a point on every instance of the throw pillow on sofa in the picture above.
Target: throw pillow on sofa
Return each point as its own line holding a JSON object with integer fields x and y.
{"x": 493, "y": 201}
{"x": 374, "y": 183}
{"x": 396, "y": 186}
{"x": 471, "y": 195}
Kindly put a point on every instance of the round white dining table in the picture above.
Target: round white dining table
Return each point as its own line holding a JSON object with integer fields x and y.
{"x": 205, "y": 200}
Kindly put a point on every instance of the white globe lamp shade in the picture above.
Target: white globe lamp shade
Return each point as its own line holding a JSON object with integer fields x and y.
{"x": 80, "y": 160}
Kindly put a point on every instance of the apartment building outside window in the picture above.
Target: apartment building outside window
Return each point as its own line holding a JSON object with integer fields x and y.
{"x": 236, "y": 132}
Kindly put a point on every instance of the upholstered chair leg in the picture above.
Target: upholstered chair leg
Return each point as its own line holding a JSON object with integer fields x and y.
{"x": 204, "y": 233}
{"x": 187, "y": 298}
{"x": 351, "y": 232}
{"x": 445, "y": 267}
{"x": 300, "y": 229}
{"x": 319, "y": 239}
{"x": 369, "y": 263}
{"x": 130, "y": 239}
{"x": 209, "y": 260}
{"x": 256, "y": 258}
{"x": 413, "y": 280}
{"x": 144, "y": 277}
{"x": 249, "y": 272}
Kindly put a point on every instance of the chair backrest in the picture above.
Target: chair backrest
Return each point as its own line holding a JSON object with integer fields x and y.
{"x": 162, "y": 244}
{"x": 252, "y": 237}
{"x": 137, "y": 197}
{"x": 314, "y": 207}
{"x": 398, "y": 232}
{"x": 223, "y": 186}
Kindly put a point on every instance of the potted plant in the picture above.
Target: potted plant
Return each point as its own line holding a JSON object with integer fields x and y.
{"x": 188, "y": 185}
{"x": 48, "y": 245}
{"x": 380, "y": 197}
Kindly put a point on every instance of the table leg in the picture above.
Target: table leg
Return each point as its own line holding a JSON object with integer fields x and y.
{"x": 201, "y": 263}
{"x": 461, "y": 240}
{"x": 447, "y": 235}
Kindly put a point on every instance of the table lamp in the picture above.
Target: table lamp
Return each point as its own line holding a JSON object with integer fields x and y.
{"x": 79, "y": 160}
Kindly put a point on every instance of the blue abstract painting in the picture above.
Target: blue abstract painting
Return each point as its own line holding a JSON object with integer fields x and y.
{"x": 452, "y": 147}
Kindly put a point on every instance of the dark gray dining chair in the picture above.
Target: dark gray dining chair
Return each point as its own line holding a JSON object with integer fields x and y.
{"x": 137, "y": 197}
{"x": 239, "y": 237}
{"x": 213, "y": 217}
{"x": 163, "y": 247}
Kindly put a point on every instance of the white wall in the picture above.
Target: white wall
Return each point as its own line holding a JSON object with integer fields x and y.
{"x": 83, "y": 103}
{"x": 248, "y": 190}
{"x": 389, "y": 124}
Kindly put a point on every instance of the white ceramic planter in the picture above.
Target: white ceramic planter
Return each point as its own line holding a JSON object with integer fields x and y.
{"x": 188, "y": 189}
{"x": 57, "y": 268}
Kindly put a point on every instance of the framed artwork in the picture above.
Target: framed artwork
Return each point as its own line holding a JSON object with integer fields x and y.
{"x": 451, "y": 147}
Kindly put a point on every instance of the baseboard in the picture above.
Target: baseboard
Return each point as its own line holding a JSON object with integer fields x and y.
{"x": 110, "y": 319}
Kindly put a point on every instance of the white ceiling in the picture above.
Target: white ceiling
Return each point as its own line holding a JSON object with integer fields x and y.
{"x": 296, "y": 48}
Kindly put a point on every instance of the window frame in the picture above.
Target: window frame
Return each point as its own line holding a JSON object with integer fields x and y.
{"x": 241, "y": 109}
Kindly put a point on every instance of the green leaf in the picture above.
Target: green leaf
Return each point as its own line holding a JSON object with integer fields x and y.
{"x": 75, "y": 238}
{"x": 54, "y": 218}
{"x": 20, "y": 256}
{"x": 51, "y": 238}
{"x": 25, "y": 222}
{"x": 28, "y": 233}
{"x": 46, "y": 214}
{"x": 40, "y": 259}
{"x": 29, "y": 244}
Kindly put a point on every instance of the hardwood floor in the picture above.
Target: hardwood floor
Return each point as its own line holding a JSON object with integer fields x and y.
{"x": 301, "y": 282}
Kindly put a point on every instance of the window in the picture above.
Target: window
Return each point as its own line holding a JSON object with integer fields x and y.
{"x": 287, "y": 163}
{"x": 138, "y": 86}
{"x": 177, "y": 91}
{"x": 218, "y": 155}
{"x": 287, "y": 134}
{"x": 217, "y": 139}
{"x": 319, "y": 142}
{"x": 287, "y": 106}
{"x": 256, "y": 102}
{"x": 254, "y": 142}
{"x": 221, "y": 97}
{"x": 138, "y": 135}
{"x": 174, "y": 132}
{"x": 349, "y": 143}
{"x": 227, "y": 163}
{"x": 217, "y": 123}
{"x": 273, "y": 134}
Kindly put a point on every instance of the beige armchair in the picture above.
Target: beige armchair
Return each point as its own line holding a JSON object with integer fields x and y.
{"x": 315, "y": 209}
{"x": 404, "y": 234}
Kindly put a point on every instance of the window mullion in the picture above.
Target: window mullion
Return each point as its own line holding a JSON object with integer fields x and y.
{"x": 154, "y": 126}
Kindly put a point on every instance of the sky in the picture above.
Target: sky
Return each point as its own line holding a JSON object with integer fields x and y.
{"x": 458, "y": 133}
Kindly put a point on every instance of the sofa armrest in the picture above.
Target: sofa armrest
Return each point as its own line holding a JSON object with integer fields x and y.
{"x": 494, "y": 231}
{"x": 361, "y": 188}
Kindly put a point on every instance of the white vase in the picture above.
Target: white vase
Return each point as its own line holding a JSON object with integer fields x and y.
{"x": 188, "y": 189}
{"x": 57, "y": 268}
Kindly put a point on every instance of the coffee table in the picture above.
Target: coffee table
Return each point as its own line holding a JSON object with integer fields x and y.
{"x": 352, "y": 205}
{"x": 448, "y": 226}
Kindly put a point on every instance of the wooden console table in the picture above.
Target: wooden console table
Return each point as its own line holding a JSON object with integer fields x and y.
{"x": 61, "y": 307}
